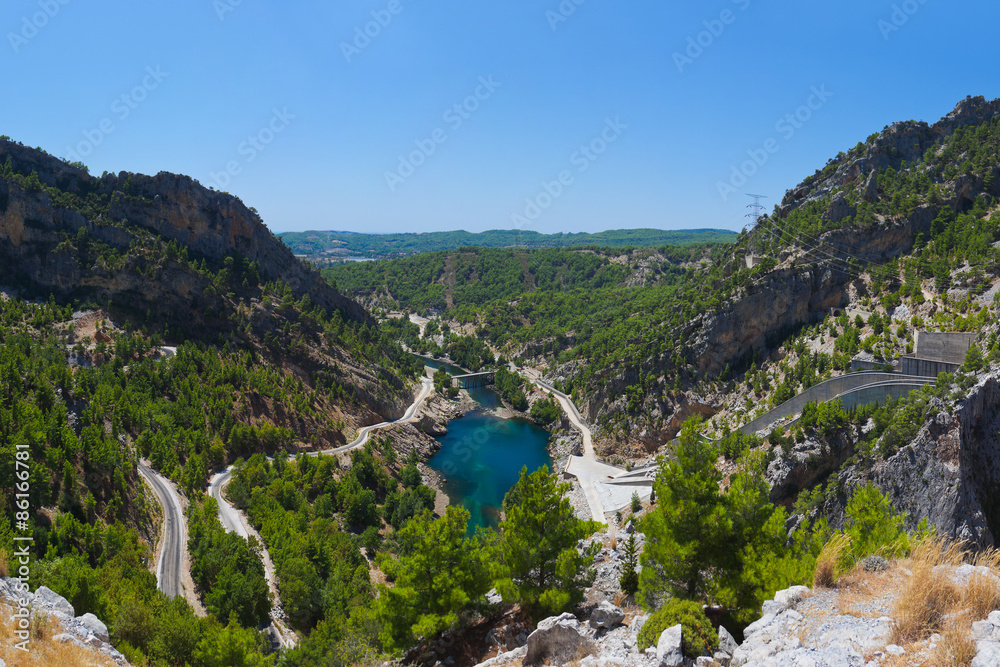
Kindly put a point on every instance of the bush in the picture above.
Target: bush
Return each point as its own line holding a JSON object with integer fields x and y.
{"x": 699, "y": 636}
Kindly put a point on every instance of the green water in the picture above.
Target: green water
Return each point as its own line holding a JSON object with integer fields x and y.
{"x": 482, "y": 455}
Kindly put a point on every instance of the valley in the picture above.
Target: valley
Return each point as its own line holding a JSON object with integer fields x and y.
{"x": 233, "y": 448}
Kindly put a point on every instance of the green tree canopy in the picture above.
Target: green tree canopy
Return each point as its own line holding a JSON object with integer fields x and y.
{"x": 540, "y": 563}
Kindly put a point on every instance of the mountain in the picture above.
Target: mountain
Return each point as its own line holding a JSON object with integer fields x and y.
{"x": 328, "y": 247}
{"x": 118, "y": 239}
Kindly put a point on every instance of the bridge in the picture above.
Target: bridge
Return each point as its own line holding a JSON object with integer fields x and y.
{"x": 471, "y": 380}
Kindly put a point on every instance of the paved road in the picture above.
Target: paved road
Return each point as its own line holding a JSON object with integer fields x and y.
{"x": 588, "y": 470}
{"x": 234, "y": 521}
{"x": 427, "y": 385}
{"x": 168, "y": 570}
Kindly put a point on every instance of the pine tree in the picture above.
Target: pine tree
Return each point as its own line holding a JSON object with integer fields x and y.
{"x": 629, "y": 581}
{"x": 438, "y": 573}
{"x": 540, "y": 565}
{"x": 688, "y": 534}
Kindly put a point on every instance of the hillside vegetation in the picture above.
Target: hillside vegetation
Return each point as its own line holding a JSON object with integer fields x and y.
{"x": 327, "y": 247}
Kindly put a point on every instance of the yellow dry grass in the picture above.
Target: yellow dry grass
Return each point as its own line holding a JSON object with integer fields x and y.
{"x": 930, "y": 594}
{"x": 956, "y": 648}
{"x": 828, "y": 564}
{"x": 42, "y": 651}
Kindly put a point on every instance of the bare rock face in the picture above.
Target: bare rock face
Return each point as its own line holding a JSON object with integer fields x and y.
{"x": 212, "y": 225}
{"x": 948, "y": 474}
{"x": 558, "y": 640}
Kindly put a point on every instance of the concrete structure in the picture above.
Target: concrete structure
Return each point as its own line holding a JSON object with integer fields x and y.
{"x": 937, "y": 352}
{"x": 471, "y": 380}
{"x": 828, "y": 390}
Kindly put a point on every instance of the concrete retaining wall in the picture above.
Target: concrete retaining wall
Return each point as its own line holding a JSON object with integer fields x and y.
{"x": 926, "y": 367}
{"x": 826, "y": 391}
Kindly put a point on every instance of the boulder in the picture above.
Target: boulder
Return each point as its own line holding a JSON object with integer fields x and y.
{"x": 95, "y": 625}
{"x": 558, "y": 639}
{"x": 606, "y": 615}
{"x": 50, "y": 602}
{"x": 727, "y": 643}
{"x": 669, "y": 652}
{"x": 987, "y": 654}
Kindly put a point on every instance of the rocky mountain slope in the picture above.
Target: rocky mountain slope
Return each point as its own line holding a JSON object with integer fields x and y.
{"x": 48, "y": 208}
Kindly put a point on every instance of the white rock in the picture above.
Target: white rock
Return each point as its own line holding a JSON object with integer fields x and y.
{"x": 52, "y": 603}
{"x": 558, "y": 639}
{"x": 895, "y": 649}
{"x": 606, "y": 615}
{"x": 668, "y": 649}
{"x": 65, "y": 638}
{"x": 987, "y": 654}
{"x": 790, "y": 597}
{"x": 95, "y": 625}
{"x": 727, "y": 643}
{"x": 982, "y": 630}
{"x": 994, "y": 618}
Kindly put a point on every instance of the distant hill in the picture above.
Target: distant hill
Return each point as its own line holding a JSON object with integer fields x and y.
{"x": 326, "y": 247}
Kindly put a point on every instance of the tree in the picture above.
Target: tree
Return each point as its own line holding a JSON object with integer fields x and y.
{"x": 973, "y": 359}
{"x": 629, "y": 581}
{"x": 540, "y": 564}
{"x": 231, "y": 646}
{"x": 688, "y": 533}
{"x": 438, "y": 573}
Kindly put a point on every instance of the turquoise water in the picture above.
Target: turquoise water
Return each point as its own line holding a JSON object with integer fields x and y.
{"x": 482, "y": 455}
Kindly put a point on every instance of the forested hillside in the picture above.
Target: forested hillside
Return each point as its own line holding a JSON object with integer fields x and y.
{"x": 903, "y": 219}
{"x": 326, "y": 247}
{"x": 461, "y": 281}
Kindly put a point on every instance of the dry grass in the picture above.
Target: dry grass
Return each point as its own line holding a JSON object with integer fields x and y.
{"x": 957, "y": 648}
{"x": 828, "y": 564}
{"x": 4, "y": 565}
{"x": 929, "y": 595}
{"x": 621, "y": 599}
{"x": 981, "y": 595}
{"x": 43, "y": 652}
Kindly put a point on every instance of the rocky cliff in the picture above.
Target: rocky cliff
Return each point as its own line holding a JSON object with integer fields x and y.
{"x": 949, "y": 474}
{"x": 40, "y": 220}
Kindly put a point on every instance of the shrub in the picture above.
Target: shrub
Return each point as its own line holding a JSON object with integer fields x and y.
{"x": 829, "y": 564}
{"x": 929, "y": 595}
{"x": 956, "y": 648}
{"x": 699, "y": 636}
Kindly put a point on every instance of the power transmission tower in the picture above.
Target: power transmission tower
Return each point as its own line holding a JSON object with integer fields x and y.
{"x": 756, "y": 208}
{"x": 755, "y": 214}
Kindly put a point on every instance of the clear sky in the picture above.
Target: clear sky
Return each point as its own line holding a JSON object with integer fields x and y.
{"x": 576, "y": 116}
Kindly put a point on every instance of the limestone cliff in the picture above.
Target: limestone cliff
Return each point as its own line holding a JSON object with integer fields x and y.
{"x": 123, "y": 210}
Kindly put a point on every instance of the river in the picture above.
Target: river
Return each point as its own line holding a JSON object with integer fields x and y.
{"x": 482, "y": 455}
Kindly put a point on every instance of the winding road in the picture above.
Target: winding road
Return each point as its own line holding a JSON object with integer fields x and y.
{"x": 587, "y": 468}
{"x": 235, "y": 521}
{"x": 168, "y": 569}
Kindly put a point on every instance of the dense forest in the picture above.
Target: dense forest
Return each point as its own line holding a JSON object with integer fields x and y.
{"x": 322, "y": 247}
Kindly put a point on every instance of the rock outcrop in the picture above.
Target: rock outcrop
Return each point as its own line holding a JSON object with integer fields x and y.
{"x": 124, "y": 209}
{"x": 948, "y": 474}
{"x": 86, "y": 632}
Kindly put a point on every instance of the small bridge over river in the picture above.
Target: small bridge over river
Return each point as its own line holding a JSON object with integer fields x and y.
{"x": 471, "y": 380}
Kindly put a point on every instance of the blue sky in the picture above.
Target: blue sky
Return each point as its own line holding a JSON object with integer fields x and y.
{"x": 569, "y": 117}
